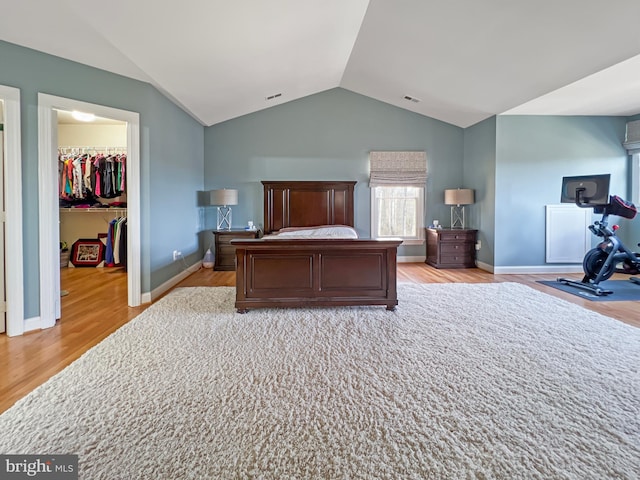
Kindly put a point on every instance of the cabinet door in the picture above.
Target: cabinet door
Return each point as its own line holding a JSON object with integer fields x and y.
{"x": 567, "y": 234}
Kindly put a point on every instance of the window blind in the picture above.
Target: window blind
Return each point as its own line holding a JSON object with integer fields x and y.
{"x": 632, "y": 137}
{"x": 398, "y": 168}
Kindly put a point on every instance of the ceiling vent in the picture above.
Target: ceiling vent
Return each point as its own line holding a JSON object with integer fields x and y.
{"x": 412, "y": 99}
{"x": 272, "y": 97}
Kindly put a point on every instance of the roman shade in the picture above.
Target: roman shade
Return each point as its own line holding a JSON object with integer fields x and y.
{"x": 632, "y": 137}
{"x": 398, "y": 168}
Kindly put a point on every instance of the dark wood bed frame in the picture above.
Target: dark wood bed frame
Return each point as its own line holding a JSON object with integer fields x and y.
{"x": 313, "y": 272}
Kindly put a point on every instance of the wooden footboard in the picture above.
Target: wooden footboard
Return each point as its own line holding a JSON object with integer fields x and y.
{"x": 303, "y": 273}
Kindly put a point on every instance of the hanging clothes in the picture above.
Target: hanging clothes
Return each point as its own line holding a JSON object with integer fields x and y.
{"x": 84, "y": 175}
{"x": 115, "y": 249}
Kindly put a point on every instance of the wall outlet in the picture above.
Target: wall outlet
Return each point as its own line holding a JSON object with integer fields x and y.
{"x": 478, "y": 245}
{"x": 177, "y": 254}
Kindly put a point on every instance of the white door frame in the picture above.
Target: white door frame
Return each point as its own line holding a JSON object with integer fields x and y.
{"x": 49, "y": 214}
{"x": 3, "y": 202}
{"x": 13, "y": 211}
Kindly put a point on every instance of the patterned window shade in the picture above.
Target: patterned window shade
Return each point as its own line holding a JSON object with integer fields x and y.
{"x": 632, "y": 137}
{"x": 398, "y": 168}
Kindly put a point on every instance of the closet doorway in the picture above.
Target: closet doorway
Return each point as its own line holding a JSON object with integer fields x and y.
{"x": 50, "y": 110}
{"x": 92, "y": 159}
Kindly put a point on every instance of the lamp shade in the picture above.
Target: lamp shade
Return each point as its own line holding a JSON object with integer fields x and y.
{"x": 224, "y": 197}
{"x": 458, "y": 196}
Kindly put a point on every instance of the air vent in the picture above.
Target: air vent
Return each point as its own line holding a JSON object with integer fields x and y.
{"x": 412, "y": 99}
{"x": 272, "y": 97}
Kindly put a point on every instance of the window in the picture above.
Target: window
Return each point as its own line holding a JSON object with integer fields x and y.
{"x": 397, "y": 211}
{"x": 397, "y": 195}
{"x": 632, "y": 144}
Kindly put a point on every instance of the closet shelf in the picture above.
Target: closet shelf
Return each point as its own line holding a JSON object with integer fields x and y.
{"x": 95, "y": 210}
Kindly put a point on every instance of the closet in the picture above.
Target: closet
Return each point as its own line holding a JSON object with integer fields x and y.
{"x": 92, "y": 193}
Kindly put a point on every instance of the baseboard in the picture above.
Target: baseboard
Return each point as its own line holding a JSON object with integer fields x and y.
{"x": 149, "y": 297}
{"x": 484, "y": 266}
{"x": 414, "y": 259}
{"x": 172, "y": 282}
{"x": 31, "y": 324}
{"x": 537, "y": 269}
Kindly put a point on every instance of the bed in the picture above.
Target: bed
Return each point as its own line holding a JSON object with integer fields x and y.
{"x": 276, "y": 271}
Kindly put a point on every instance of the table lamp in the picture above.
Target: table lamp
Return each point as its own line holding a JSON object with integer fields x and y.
{"x": 224, "y": 198}
{"x": 458, "y": 198}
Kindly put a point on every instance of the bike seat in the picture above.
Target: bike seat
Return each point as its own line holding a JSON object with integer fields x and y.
{"x": 621, "y": 208}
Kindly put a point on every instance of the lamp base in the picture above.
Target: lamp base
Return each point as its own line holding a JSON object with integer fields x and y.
{"x": 457, "y": 216}
{"x": 224, "y": 218}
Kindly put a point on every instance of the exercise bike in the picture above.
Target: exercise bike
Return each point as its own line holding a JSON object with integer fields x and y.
{"x": 610, "y": 255}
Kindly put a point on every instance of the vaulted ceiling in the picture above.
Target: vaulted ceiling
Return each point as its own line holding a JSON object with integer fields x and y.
{"x": 461, "y": 61}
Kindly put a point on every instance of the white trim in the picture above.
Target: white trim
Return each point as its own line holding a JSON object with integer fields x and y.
{"x": 526, "y": 270}
{"x": 133, "y": 212}
{"x": 157, "y": 292}
{"x": 414, "y": 241}
{"x": 484, "y": 266}
{"x": 32, "y": 323}
{"x": 13, "y": 211}
{"x": 48, "y": 200}
{"x": 635, "y": 178}
{"x": 412, "y": 259}
{"x": 49, "y": 232}
{"x": 537, "y": 269}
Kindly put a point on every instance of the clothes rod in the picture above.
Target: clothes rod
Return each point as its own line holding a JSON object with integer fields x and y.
{"x": 92, "y": 148}
{"x": 94, "y": 209}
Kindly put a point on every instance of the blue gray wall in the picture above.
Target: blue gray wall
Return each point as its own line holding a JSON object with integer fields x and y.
{"x": 479, "y": 174}
{"x": 533, "y": 153}
{"x": 328, "y": 136}
{"x": 515, "y": 164}
{"x": 171, "y": 157}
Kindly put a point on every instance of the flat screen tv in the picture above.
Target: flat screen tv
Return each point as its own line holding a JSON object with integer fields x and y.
{"x": 586, "y": 190}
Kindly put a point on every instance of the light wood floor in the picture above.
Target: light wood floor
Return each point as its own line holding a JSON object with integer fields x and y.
{"x": 97, "y": 306}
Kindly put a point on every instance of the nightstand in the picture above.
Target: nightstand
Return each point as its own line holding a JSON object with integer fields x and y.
{"x": 451, "y": 247}
{"x": 225, "y": 254}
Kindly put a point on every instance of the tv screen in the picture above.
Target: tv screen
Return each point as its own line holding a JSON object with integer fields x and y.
{"x": 586, "y": 190}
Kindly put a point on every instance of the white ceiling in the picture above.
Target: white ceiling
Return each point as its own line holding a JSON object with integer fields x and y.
{"x": 465, "y": 60}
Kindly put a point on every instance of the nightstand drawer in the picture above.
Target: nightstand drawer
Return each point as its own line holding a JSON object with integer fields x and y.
{"x": 456, "y": 259}
{"x": 225, "y": 254}
{"x": 457, "y": 248}
{"x": 451, "y": 236}
{"x": 224, "y": 239}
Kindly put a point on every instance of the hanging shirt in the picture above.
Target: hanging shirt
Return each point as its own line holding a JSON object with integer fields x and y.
{"x": 88, "y": 166}
{"x": 108, "y": 252}
{"x": 78, "y": 183}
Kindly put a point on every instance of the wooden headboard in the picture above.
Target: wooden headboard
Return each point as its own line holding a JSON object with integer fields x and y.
{"x": 307, "y": 204}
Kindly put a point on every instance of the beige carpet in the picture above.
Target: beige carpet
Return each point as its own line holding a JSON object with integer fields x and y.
{"x": 487, "y": 381}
